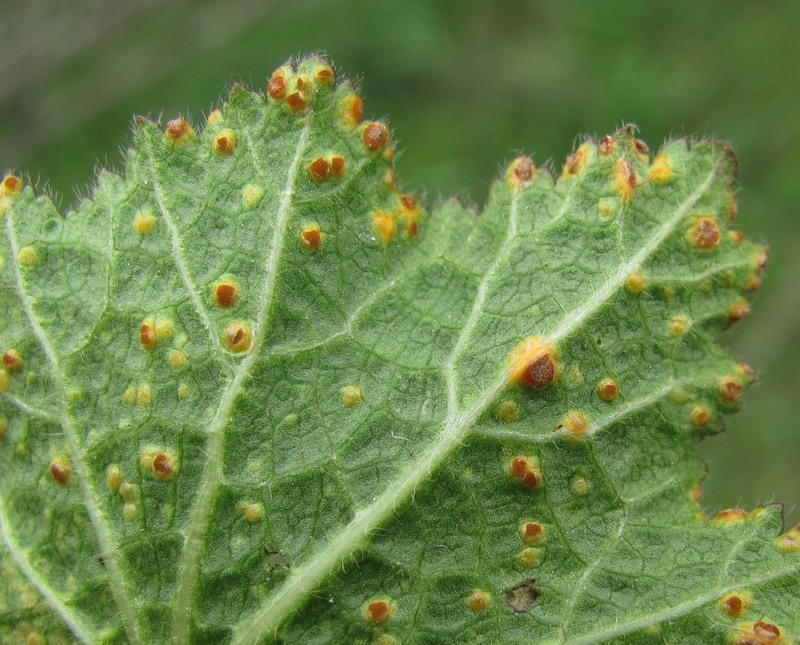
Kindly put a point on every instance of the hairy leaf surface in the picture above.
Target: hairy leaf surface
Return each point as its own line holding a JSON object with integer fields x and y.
{"x": 254, "y": 392}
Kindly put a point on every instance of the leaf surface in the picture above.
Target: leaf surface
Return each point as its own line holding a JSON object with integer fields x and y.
{"x": 253, "y": 392}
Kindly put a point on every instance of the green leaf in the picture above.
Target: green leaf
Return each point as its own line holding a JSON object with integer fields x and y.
{"x": 252, "y": 392}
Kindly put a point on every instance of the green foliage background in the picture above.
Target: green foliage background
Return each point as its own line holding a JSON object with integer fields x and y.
{"x": 466, "y": 84}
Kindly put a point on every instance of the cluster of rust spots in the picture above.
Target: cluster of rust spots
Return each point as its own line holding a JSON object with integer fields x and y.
{"x": 789, "y": 542}
{"x": 378, "y": 611}
{"x": 224, "y": 143}
{"x": 311, "y": 237}
{"x": 735, "y": 604}
{"x": 178, "y": 132}
{"x": 225, "y": 294}
{"x": 526, "y": 471}
{"x": 730, "y": 516}
{"x": 660, "y": 172}
{"x": 295, "y": 91}
{"x": 321, "y": 168}
{"x": 531, "y": 532}
{"x": 520, "y": 172}
{"x": 479, "y": 601}
{"x": 12, "y": 361}
{"x": 533, "y": 364}
{"x": 758, "y": 633}
{"x": 141, "y": 396}
{"x": 704, "y": 233}
{"x": 409, "y": 213}
{"x": 238, "y": 337}
{"x": 375, "y": 136}
{"x": 384, "y": 224}
{"x": 60, "y": 471}
{"x": 625, "y": 180}
{"x": 351, "y": 395}
{"x": 608, "y": 389}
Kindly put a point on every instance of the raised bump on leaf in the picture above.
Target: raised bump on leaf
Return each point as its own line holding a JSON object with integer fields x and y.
{"x": 531, "y": 532}
{"x": 225, "y": 294}
{"x": 525, "y": 470}
{"x": 311, "y": 237}
{"x": 60, "y": 471}
{"x": 608, "y": 389}
{"x": 144, "y": 223}
{"x": 27, "y": 256}
{"x": 375, "y": 136}
{"x": 238, "y": 337}
{"x": 379, "y": 610}
{"x": 224, "y": 143}
{"x": 479, "y": 601}
{"x": 533, "y": 364}
{"x": 704, "y": 233}
{"x": 351, "y": 395}
{"x": 735, "y": 604}
{"x": 12, "y": 361}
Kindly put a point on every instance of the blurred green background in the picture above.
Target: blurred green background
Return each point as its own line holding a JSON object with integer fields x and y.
{"x": 467, "y": 84}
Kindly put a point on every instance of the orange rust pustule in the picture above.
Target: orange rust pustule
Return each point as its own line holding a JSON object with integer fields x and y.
{"x": 311, "y": 238}
{"x": 12, "y": 185}
{"x": 731, "y": 516}
{"x": 732, "y": 605}
{"x": 766, "y": 632}
{"x": 276, "y": 87}
{"x": 608, "y": 389}
{"x": 338, "y": 166}
{"x": 378, "y": 611}
{"x": 625, "y": 180}
{"x": 319, "y": 169}
{"x": 705, "y": 233}
{"x": 539, "y": 373}
{"x": 238, "y": 337}
{"x": 147, "y": 335}
{"x": 12, "y": 361}
{"x": 224, "y": 144}
{"x": 523, "y": 470}
{"x": 375, "y": 136}
{"x": 324, "y": 75}
{"x": 59, "y": 472}
{"x": 575, "y": 163}
{"x": 296, "y": 101}
{"x": 225, "y": 295}
{"x": 177, "y": 128}
{"x": 606, "y": 145}
{"x": 531, "y": 532}
{"x": 163, "y": 466}
{"x": 730, "y": 389}
{"x": 524, "y": 168}
{"x": 533, "y": 364}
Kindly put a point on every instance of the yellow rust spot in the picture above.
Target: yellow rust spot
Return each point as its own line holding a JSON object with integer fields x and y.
{"x": 11, "y": 186}
{"x": 165, "y": 329}
{"x": 224, "y": 143}
{"x": 12, "y": 361}
{"x": 730, "y": 389}
{"x": 529, "y": 557}
{"x": 129, "y": 396}
{"x": 385, "y": 226}
{"x": 704, "y": 233}
{"x": 479, "y": 601}
{"x": 351, "y": 395}
{"x": 533, "y": 364}
{"x": 251, "y": 195}
{"x": 625, "y": 180}
{"x": 679, "y": 325}
{"x": 238, "y": 337}
{"x": 738, "y": 310}
{"x": 577, "y": 424}
{"x": 635, "y": 283}
{"x": 390, "y": 178}
{"x": 184, "y": 391}
{"x": 525, "y": 470}
{"x": 27, "y": 256}
{"x": 113, "y": 478}
{"x": 178, "y": 132}
{"x": 581, "y": 486}
{"x": 608, "y": 389}
{"x": 531, "y": 532}
{"x": 147, "y": 334}
{"x": 225, "y": 294}
{"x": 608, "y": 206}
{"x": 375, "y": 136}
{"x": 128, "y": 492}
{"x": 409, "y": 213}
{"x": 319, "y": 169}
{"x": 130, "y": 512}
{"x": 176, "y": 358}
{"x": 60, "y": 471}
{"x": 378, "y": 611}
{"x": 660, "y": 172}
{"x": 214, "y": 117}
{"x": 311, "y": 237}
{"x": 351, "y": 109}
{"x": 575, "y": 163}
{"x": 324, "y": 74}
{"x": 735, "y": 604}
{"x": 700, "y": 416}
{"x": 789, "y": 542}
{"x": 520, "y": 172}
{"x": 252, "y": 512}
{"x": 641, "y": 150}
{"x": 144, "y": 396}
{"x": 507, "y": 411}
{"x": 730, "y": 516}
{"x": 737, "y": 237}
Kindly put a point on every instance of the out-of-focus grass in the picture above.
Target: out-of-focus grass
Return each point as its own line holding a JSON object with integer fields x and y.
{"x": 466, "y": 84}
